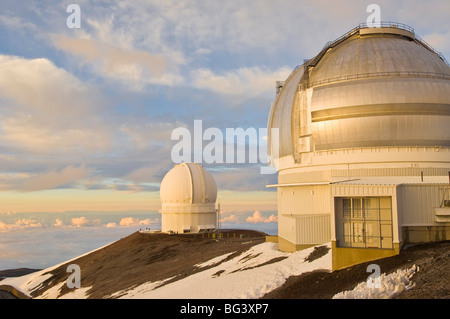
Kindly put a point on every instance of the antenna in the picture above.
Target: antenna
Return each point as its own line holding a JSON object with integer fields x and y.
{"x": 218, "y": 219}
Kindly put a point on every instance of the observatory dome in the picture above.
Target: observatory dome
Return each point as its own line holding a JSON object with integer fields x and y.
{"x": 188, "y": 196}
{"x": 188, "y": 183}
{"x": 372, "y": 87}
{"x": 360, "y": 137}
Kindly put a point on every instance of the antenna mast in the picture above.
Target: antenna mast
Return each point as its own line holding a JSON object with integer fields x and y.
{"x": 218, "y": 219}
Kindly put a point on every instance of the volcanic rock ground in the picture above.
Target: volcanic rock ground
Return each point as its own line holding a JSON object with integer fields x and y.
{"x": 143, "y": 257}
{"x": 432, "y": 281}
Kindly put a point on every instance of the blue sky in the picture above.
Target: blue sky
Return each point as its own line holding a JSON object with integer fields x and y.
{"x": 86, "y": 114}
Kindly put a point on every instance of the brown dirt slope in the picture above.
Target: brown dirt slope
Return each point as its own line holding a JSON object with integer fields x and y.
{"x": 143, "y": 257}
{"x": 431, "y": 282}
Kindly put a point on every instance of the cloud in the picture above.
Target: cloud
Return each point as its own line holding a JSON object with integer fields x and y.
{"x": 20, "y": 223}
{"x": 28, "y": 223}
{"x": 143, "y": 134}
{"x": 250, "y": 82}
{"x": 46, "y": 109}
{"x": 230, "y": 219}
{"x": 132, "y": 221}
{"x": 17, "y": 23}
{"x": 258, "y": 218}
{"x": 54, "y": 179}
{"x": 272, "y": 219}
{"x": 111, "y": 224}
{"x": 115, "y": 62}
{"x": 83, "y": 221}
{"x": 58, "y": 223}
{"x": 80, "y": 221}
{"x": 42, "y": 247}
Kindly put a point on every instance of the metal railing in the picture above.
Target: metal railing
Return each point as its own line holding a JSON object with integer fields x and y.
{"x": 386, "y": 24}
{"x": 382, "y": 24}
{"x": 376, "y": 75}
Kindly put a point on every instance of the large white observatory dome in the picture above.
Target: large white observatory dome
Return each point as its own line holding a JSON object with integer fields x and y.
{"x": 188, "y": 195}
{"x": 360, "y": 136}
{"x": 372, "y": 87}
{"x": 188, "y": 183}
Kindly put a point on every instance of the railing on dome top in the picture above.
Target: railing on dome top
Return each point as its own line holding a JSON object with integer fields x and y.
{"x": 382, "y": 24}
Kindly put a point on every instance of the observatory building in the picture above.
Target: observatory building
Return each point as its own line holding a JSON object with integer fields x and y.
{"x": 188, "y": 195}
{"x": 363, "y": 146}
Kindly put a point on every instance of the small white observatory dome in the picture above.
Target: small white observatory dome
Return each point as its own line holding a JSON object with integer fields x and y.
{"x": 188, "y": 195}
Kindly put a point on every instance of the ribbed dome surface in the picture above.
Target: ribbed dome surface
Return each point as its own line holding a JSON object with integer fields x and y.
{"x": 376, "y": 53}
{"x": 373, "y": 87}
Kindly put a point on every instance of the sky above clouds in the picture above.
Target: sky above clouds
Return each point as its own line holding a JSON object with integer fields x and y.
{"x": 86, "y": 115}
{"x": 92, "y": 108}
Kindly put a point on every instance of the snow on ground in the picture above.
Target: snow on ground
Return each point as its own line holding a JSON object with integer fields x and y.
{"x": 213, "y": 261}
{"x": 137, "y": 292}
{"x": 28, "y": 283}
{"x": 249, "y": 275}
{"x": 387, "y": 287}
{"x": 252, "y": 274}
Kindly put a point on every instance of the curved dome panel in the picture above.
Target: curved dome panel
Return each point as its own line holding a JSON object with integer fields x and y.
{"x": 373, "y": 87}
{"x": 188, "y": 183}
{"x": 280, "y": 116}
{"x": 176, "y": 186}
{"x": 376, "y": 53}
{"x": 407, "y": 130}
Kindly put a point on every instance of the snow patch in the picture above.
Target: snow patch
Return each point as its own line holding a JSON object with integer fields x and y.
{"x": 389, "y": 286}
{"x": 138, "y": 291}
{"x": 216, "y": 260}
{"x": 79, "y": 293}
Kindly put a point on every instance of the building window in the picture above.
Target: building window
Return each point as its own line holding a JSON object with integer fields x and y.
{"x": 364, "y": 222}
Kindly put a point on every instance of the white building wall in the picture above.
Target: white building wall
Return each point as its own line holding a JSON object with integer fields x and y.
{"x": 304, "y": 214}
{"x": 304, "y": 200}
{"x": 417, "y": 203}
{"x": 312, "y": 229}
{"x": 177, "y": 222}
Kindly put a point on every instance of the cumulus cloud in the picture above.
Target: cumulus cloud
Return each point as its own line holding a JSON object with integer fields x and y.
{"x": 258, "y": 218}
{"x": 80, "y": 221}
{"x": 132, "y": 221}
{"x": 3, "y": 226}
{"x": 111, "y": 225}
{"x": 47, "y": 109}
{"x": 83, "y": 221}
{"x": 272, "y": 219}
{"x": 28, "y": 223}
{"x": 58, "y": 223}
{"x": 20, "y": 223}
{"x": 230, "y": 219}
